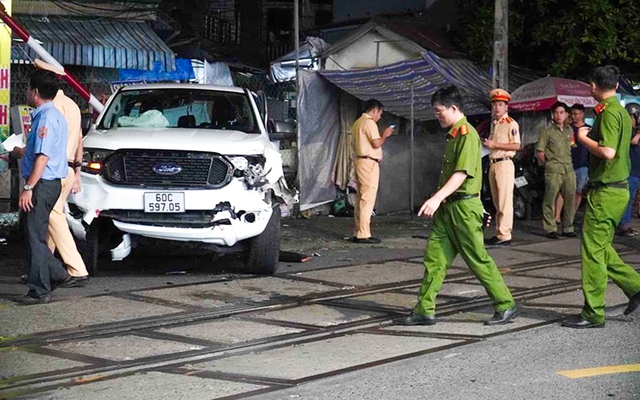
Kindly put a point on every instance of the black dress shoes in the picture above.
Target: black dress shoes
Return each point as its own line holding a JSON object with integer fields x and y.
{"x": 28, "y": 300}
{"x": 74, "y": 281}
{"x": 580, "y": 323}
{"x": 502, "y": 317}
{"x": 495, "y": 241}
{"x": 369, "y": 240}
{"x": 416, "y": 319}
{"x": 569, "y": 234}
{"x": 552, "y": 235}
{"x": 634, "y": 302}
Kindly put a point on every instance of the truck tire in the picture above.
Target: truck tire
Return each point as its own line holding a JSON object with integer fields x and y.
{"x": 263, "y": 250}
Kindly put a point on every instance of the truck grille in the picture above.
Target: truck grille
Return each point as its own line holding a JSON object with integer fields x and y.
{"x": 165, "y": 168}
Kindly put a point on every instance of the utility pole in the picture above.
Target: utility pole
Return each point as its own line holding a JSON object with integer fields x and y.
{"x": 500, "y": 78}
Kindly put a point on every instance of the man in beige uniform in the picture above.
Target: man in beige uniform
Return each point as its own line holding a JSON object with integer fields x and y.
{"x": 503, "y": 142}
{"x": 59, "y": 234}
{"x": 366, "y": 143}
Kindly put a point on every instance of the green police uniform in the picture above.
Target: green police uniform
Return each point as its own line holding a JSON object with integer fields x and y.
{"x": 606, "y": 202}
{"x": 457, "y": 226}
{"x": 559, "y": 176}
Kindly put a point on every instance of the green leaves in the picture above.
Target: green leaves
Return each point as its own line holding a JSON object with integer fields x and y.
{"x": 563, "y": 38}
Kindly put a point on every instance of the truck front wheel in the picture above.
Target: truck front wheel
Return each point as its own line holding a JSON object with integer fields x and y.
{"x": 263, "y": 250}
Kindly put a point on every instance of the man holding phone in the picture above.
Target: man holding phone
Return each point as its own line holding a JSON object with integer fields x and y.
{"x": 366, "y": 143}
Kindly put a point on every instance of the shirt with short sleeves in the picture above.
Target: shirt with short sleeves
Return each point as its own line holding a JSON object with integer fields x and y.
{"x": 507, "y": 131}
{"x": 555, "y": 143}
{"x": 462, "y": 154}
{"x": 579, "y": 153}
{"x": 363, "y": 132}
{"x": 72, "y": 115}
{"x": 612, "y": 128}
{"x": 48, "y": 136}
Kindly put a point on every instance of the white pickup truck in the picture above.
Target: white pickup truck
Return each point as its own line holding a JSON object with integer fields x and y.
{"x": 182, "y": 163}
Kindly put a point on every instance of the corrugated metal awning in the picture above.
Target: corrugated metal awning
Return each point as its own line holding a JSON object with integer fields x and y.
{"x": 393, "y": 84}
{"x": 106, "y": 43}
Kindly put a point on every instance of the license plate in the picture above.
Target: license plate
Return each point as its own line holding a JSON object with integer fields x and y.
{"x": 521, "y": 181}
{"x": 164, "y": 202}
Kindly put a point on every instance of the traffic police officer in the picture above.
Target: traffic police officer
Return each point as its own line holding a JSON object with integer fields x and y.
{"x": 366, "y": 143}
{"x": 43, "y": 165}
{"x": 457, "y": 215}
{"x": 607, "y": 199}
{"x": 503, "y": 143}
{"x": 554, "y": 151}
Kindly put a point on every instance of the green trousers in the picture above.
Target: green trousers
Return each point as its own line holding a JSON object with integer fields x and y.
{"x": 600, "y": 261}
{"x": 564, "y": 183}
{"x": 457, "y": 229}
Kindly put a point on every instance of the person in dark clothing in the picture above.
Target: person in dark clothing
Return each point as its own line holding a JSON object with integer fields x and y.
{"x": 43, "y": 165}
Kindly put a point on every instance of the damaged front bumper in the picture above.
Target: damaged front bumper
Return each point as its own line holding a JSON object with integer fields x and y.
{"x": 222, "y": 216}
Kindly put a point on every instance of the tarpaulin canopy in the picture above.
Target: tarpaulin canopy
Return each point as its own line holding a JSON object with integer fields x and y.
{"x": 393, "y": 85}
{"x": 540, "y": 94}
{"x": 106, "y": 43}
{"x": 283, "y": 69}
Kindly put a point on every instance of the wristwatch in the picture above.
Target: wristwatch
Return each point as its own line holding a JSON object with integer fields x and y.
{"x": 27, "y": 187}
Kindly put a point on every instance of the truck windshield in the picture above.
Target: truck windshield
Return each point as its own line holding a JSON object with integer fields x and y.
{"x": 180, "y": 108}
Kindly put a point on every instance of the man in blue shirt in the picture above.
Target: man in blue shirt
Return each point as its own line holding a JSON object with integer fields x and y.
{"x": 43, "y": 165}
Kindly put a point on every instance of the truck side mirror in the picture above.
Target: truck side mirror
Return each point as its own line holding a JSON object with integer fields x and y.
{"x": 85, "y": 123}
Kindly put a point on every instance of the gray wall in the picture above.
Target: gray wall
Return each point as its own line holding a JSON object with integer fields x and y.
{"x": 395, "y": 191}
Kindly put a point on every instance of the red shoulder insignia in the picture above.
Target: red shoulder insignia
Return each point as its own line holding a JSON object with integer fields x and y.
{"x": 600, "y": 108}
{"x": 464, "y": 130}
{"x": 42, "y": 132}
{"x": 453, "y": 133}
{"x": 509, "y": 119}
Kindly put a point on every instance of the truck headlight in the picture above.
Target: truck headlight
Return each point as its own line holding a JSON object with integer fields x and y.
{"x": 93, "y": 159}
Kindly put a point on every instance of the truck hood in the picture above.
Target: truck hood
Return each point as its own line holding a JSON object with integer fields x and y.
{"x": 210, "y": 140}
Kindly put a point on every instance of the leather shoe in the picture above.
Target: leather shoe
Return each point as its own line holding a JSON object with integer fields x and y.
{"x": 369, "y": 240}
{"x": 502, "y": 317}
{"x": 580, "y": 323}
{"x": 494, "y": 241}
{"x": 33, "y": 300}
{"x": 416, "y": 319}
{"x": 75, "y": 281}
{"x": 634, "y": 302}
{"x": 569, "y": 234}
{"x": 552, "y": 235}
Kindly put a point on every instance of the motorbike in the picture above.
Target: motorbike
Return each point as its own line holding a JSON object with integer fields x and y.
{"x": 528, "y": 184}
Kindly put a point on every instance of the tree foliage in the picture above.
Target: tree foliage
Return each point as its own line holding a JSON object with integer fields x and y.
{"x": 562, "y": 37}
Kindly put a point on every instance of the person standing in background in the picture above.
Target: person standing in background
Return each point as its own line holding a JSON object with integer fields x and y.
{"x": 554, "y": 151}
{"x": 624, "y": 228}
{"x": 366, "y": 143}
{"x": 503, "y": 143}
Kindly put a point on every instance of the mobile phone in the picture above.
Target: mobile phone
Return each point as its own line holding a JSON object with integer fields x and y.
{"x": 392, "y": 126}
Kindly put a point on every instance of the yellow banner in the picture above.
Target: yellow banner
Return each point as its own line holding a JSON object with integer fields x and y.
{"x": 5, "y": 73}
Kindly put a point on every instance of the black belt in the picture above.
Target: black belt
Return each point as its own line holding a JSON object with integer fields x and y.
{"x": 495, "y": 160}
{"x": 600, "y": 185}
{"x": 370, "y": 158}
{"x": 460, "y": 196}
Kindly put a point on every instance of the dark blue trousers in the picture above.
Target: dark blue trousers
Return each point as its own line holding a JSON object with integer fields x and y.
{"x": 44, "y": 268}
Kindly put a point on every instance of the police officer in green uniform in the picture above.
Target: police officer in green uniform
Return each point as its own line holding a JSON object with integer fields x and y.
{"x": 457, "y": 218}
{"x": 554, "y": 151}
{"x": 609, "y": 167}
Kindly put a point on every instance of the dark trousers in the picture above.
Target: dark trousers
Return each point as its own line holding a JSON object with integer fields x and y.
{"x": 44, "y": 268}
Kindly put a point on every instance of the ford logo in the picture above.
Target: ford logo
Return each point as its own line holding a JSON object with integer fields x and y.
{"x": 166, "y": 169}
